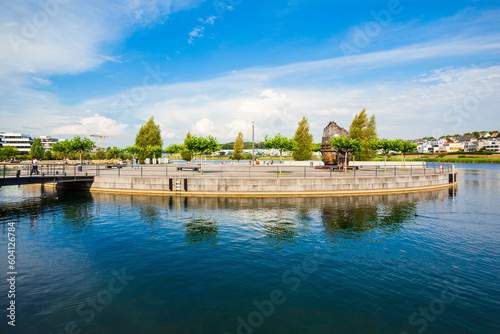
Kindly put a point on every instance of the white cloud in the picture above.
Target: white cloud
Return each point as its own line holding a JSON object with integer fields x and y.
{"x": 167, "y": 135}
{"x": 67, "y": 37}
{"x": 204, "y": 127}
{"x": 209, "y": 20}
{"x": 41, "y": 81}
{"x": 91, "y": 125}
{"x": 239, "y": 125}
{"x": 411, "y": 104}
{"x": 197, "y": 32}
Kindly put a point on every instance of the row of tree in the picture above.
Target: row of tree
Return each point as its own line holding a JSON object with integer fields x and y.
{"x": 383, "y": 145}
{"x": 148, "y": 143}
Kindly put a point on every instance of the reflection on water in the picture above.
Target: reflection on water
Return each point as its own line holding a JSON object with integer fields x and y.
{"x": 201, "y": 230}
{"x": 149, "y": 214}
{"x": 201, "y": 263}
{"x": 283, "y": 220}
{"x": 280, "y": 230}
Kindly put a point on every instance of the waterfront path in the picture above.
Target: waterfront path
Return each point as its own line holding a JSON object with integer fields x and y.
{"x": 239, "y": 171}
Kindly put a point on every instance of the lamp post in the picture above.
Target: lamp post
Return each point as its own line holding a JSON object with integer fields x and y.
{"x": 253, "y": 144}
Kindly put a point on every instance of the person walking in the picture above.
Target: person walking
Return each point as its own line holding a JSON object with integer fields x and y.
{"x": 34, "y": 168}
{"x": 132, "y": 162}
{"x": 136, "y": 162}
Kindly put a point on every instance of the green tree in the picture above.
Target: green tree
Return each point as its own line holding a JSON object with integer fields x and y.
{"x": 100, "y": 155}
{"x": 8, "y": 152}
{"x": 185, "y": 154}
{"x": 238, "y": 147}
{"x": 61, "y": 149}
{"x": 174, "y": 148}
{"x": 344, "y": 144}
{"x": 316, "y": 147}
{"x": 114, "y": 152}
{"x": 304, "y": 140}
{"x": 36, "y": 150}
{"x": 200, "y": 145}
{"x": 149, "y": 135}
{"x": 406, "y": 147}
{"x": 80, "y": 146}
{"x": 385, "y": 145}
{"x": 47, "y": 155}
{"x": 154, "y": 151}
{"x": 134, "y": 150}
{"x": 365, "y": 131}
{"x": 280, "y": 143}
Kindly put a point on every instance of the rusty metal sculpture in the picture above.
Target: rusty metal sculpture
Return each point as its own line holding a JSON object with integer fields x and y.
{"x": 331, "y": 155}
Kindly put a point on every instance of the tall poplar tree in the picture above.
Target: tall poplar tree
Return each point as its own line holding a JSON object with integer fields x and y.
{"x": 304, "y": 140}
{"x": 365, "y": 131}
{"x": 149, "y": 135}
{"x": 238, "y": 147}
{"x": 185, "y": 154}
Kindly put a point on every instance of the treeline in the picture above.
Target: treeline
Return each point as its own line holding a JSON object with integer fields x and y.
{"x": 476, "y": 134}
{"x": 247, "y": 145}
{"x": 148, "y": 144}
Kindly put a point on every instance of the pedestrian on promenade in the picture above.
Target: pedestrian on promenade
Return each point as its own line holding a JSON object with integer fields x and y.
{"x": 34, "y": 168}
{"x": 132, "y": 162}
{"x": 136, "y": 162}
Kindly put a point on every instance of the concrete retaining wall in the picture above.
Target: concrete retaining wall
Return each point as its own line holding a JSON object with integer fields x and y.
{"x": 271, "y": 186}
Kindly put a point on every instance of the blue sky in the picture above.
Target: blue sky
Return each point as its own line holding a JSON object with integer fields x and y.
{"x": 422, "y": 68}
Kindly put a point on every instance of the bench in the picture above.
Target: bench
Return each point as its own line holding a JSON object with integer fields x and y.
{"x": 195, "y": 169}
{"x": 111, "y": 166}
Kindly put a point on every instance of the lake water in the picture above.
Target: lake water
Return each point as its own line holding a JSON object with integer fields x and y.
{"x": 409, "y": 263}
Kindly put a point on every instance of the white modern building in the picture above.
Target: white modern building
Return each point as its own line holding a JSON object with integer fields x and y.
{"x": 21, "y": 141}
{"x": 430, "y": 146}
{"x": 489, "y": 145}
{"x": 454, "y": 147}
{"x": 47, "y": 142}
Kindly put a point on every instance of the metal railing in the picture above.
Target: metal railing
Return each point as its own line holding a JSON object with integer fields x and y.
{"x": 218, "y": 171}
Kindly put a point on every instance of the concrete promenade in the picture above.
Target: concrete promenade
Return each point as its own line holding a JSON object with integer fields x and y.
{"x": 238, "y": 179}
{"x": 267, "y": 181}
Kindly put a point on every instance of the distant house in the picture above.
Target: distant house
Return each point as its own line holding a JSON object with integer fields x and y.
{"x": 427, "y": 146}
{"x": 453, "y": 147}
{"x": 467, "y": 138}
{"x": 470, "y": 146}
{"x": 489, "y": 145}
{"x": 495, "y": 134}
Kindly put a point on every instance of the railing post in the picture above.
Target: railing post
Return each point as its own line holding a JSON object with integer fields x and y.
{"x": 141, "y": 171}
{"x": 74, "y": 170}
{"x": 376, "y": 171}
{"x": 304, "y": 172}
{"x": 118, "y": 171}
{"x": 425, "y": 167}
{"x": 331, "y": 169}
{"x": 395, "y": 169}
{"x": 411, "y": 170}
{"x": 354, "y": 170}
{"x": 4, "y": 171}
{"x": 166, "y": 171}
{"x": 277, "y": 172}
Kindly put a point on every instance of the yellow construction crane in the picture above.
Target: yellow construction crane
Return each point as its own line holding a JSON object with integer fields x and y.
{"x": 101, "y": 138}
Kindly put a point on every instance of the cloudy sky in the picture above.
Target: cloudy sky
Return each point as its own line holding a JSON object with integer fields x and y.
{"x": 422, "y": 68}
